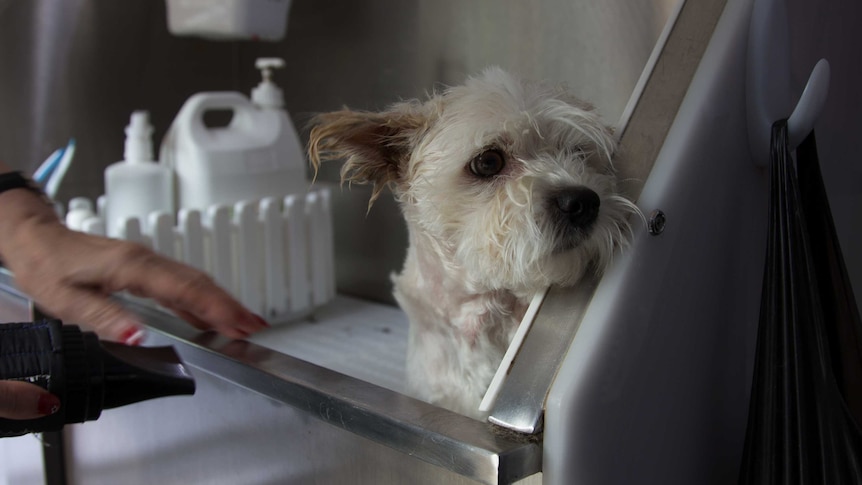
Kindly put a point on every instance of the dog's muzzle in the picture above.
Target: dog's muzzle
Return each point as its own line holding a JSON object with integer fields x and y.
{"x": 579, "y": 206}
{"x": 574, "y": 210}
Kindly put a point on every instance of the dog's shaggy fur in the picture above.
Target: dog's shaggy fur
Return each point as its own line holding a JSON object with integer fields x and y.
{"x": 507, "y": 187}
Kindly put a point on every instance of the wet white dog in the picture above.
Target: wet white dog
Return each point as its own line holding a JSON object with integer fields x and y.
{"x": 507, "y": 187}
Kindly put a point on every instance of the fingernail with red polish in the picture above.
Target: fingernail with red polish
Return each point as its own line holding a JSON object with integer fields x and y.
{"x": 48, "y": 404}
{"x": 133, "y": 336}
{"x": 261, "y": 321}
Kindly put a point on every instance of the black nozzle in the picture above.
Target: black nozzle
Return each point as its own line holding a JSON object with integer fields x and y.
{"x": 135, "y": 374}
{"x": 88, "y": 375}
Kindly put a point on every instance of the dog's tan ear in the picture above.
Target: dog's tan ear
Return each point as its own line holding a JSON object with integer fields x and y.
{"x": 375, "y": 146}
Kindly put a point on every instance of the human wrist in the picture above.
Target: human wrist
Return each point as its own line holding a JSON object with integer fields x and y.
{"x": 22, "y": 210}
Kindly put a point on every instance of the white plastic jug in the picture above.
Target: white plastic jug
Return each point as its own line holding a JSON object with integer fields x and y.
{"x": 258, "y": 154}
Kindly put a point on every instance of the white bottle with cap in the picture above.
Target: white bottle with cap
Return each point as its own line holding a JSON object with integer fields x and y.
{"x": 257, "y": 155}
{"x": 80, "y": 209}
{"x": 137, "y": 186}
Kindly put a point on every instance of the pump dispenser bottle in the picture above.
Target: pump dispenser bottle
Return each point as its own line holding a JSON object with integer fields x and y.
{"x": 137, "y": 186}
{"x": 267, "y": 94}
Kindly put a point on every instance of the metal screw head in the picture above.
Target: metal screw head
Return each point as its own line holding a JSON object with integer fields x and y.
{"x": 656, "y": 223}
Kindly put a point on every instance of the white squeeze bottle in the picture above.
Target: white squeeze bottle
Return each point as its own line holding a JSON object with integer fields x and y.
{"x": 137, "y": 186}
{"x": 257, "y": 155}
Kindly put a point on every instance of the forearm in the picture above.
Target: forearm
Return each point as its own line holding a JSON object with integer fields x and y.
{"x": 21, "y": 211}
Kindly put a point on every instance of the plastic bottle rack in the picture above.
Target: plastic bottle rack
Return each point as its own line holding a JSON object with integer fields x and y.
{"x": 274, "y": 255}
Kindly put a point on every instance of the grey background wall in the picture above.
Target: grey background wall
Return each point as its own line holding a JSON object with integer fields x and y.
{"x": 78, "y": 68}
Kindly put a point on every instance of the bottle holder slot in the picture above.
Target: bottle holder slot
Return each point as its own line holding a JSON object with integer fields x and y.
{"x": 275, "y": 255}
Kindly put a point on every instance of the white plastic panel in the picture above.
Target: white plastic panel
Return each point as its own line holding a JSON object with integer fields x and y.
{"x": 655, "y": 386}
{"x": 275, "y": 255}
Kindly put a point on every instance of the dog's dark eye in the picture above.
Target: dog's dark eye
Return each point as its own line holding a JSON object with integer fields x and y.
{"x": 488, "y": 163}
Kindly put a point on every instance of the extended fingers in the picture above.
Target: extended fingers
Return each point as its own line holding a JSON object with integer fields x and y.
{"x": 75, "y": 284}
{"x": 85, "y": 305}
{"x": 193, "y": 295}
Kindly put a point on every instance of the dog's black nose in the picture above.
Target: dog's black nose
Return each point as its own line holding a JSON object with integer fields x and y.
{"x": 580, "y": 205}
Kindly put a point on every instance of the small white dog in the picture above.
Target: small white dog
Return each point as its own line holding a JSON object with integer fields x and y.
{"x": 507, "y": 187}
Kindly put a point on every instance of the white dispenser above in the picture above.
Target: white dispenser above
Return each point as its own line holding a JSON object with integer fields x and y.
{"x": 229, "y": 19}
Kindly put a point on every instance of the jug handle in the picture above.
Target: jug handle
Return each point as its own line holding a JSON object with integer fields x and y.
{"x": 219, "y": 100}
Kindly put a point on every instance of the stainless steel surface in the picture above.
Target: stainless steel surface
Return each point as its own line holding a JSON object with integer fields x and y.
{"x": 268, "y": 401}
{"x": 364, "y": 340}
{"x": 227, "y": 435}
{"x": 520, "y": 406}
{"x": 80, "y": 67}
{"x": 424, "y": 432}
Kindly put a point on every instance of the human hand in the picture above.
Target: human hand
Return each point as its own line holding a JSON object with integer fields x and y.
{"x": 72, "y": 275}
{"x": 22, "y": 400}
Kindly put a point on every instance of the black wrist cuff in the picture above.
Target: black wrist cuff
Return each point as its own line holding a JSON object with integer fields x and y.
{"x": 16, "y": 180}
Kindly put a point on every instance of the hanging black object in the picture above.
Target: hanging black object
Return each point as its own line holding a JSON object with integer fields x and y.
{"x": 806, "y": 397}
